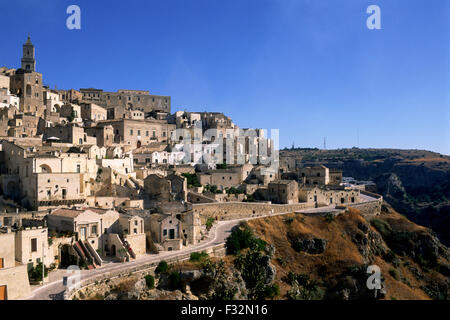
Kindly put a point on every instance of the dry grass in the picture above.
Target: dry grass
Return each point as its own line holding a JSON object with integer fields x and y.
{"x": 340, "y": 253}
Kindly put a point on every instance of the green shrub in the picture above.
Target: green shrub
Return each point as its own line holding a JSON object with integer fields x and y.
{"x": 150, "y": 281}
{"x": 175, "y": 282}
{"x": 198, "y": 256}
{"x": 382, "y": 227}
{"x": 329, "y": 217}
{"x": 253, "y": 272}
{"x": 35, "y": 274}
{"x": 162, "y": 267}
{"x": 272, "y": 291}
{"x": 394, "y": 274}
{"x": 209, "y": 223}
{"x": 288, "y": 221}
{"x": 281, "y": 261}
{"x": 191, "y": 179}
{"x": 212, "y": 189}
{"x": 234, "y": 190}
{"x": 242, "y": 239}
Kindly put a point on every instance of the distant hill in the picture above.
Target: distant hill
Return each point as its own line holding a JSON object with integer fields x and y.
{"x": 415, "y": 182}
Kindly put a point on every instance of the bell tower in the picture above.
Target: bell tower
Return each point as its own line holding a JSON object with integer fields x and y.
{"x": 28, "y": 61}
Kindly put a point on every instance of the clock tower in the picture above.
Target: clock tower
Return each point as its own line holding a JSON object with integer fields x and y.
{"x": 28, "y": 60}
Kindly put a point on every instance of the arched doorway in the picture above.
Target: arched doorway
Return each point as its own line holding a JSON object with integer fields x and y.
{"x": 45, "y": 168}
{"x": 139, "y": 143}
{"x": 67, "y": 256}
{"x": 12, "y": 189}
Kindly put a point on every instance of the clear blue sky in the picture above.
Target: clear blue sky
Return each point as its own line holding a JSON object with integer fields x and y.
{"x": 310, "y": 68}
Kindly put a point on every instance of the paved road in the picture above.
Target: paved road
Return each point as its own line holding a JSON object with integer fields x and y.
{"x": 54, "y": 290}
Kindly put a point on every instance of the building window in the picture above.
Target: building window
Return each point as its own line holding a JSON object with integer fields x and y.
{"x": 146, "y": 133}
{"x": 94, "y": 230}
{"x": 131, "y": 132}
{"x": 165, "y": 232}
{"x": 139, "y": 132}
{"x": 34, "y": 245}
{"x": 64, "y": 193}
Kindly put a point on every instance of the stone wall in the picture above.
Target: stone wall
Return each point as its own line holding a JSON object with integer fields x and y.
{"x": 238, "y": 210}
{"x": 16, "y": 281}
{"x": 369, "y": 208}
{"x": 148, "y": 268}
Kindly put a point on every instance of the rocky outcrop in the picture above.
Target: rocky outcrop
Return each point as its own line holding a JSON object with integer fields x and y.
{"x": 352, "y": 285}
{"x": 311, "y": 246}
{"x": 368, "y": 242}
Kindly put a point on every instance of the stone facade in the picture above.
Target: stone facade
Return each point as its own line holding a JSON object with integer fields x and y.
{"x": 283, "y": 191}
{"x": 13, "y": 276}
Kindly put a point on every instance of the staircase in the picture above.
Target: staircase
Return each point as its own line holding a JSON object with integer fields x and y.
{"x": 95, "y": 256}
{"x": 84, "y": 254}
{"x": 130, "y": 250}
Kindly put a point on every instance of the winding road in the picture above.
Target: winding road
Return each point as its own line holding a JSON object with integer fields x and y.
{"x": 54, "y": 289}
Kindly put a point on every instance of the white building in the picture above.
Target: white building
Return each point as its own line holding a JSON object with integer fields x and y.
{"x": 7, "y": 99}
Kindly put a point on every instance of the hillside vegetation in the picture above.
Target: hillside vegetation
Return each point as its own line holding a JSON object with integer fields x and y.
{"x": 413, "y": 263}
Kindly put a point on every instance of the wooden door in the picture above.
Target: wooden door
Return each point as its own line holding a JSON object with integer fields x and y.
{"x": 1, "y": 263}
{"x": 2, "y": 292}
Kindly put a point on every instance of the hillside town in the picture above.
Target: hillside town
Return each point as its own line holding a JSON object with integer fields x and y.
{"x": 93, "y": 178}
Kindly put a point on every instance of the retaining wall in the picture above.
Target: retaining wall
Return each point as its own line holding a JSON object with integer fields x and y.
{"x": 238, "y": 210}
{"x": 216, "y": 251}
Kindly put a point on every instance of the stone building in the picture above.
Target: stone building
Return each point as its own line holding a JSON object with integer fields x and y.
{"x": 70, "y": 133}
{"x": 7, "y": 99}
{"x": 31, "y": 244}
{"x": 314, "y": 176}
{"x": 45, "y": 176}
{"x": 166, "y": 231}
{"x": 165, "y": 189}
{"x": 283, "y": 191}
{"x": 27, "y": 84}
{"x": 137, "y": 133}
{"x": 329, "y": 196}
{"x": 102, "y": 230}
{"x": 93, "y": 112}
{"x": 225, "y": 178}
{"x": 138, "y": 99}
{"x": 103, "y": 134}
{"x": 122, "y": 112}
{"x": 335, "y": 177}
{"x": 14, "y": 282}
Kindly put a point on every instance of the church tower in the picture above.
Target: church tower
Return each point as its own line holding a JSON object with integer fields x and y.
{"x": 28, "y": 60}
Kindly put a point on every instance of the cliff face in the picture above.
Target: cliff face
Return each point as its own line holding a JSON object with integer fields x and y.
{"x": 326, "y": 258}
{"x": 420, "y": 192}
{"x": 415, "y": 182}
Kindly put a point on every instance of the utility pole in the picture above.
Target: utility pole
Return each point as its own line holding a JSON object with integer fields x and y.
{"x": 43, "y": 256}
